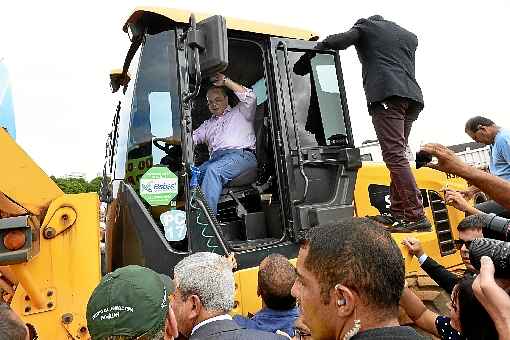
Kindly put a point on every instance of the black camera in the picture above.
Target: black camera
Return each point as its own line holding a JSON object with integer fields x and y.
{"x": 422, "y": 158}
{"x": 498, "y": 251}
{"x": 496, "y": 227}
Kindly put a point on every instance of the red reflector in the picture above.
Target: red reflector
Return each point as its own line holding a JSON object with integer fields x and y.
{"x": 14, "y": 240}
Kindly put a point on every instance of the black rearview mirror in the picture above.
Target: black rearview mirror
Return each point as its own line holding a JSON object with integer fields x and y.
{"x": 210, "y": 39}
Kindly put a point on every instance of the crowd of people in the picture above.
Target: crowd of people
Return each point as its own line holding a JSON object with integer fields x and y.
{"x": 349, "y": 279}
{"x": 348, "y": 283}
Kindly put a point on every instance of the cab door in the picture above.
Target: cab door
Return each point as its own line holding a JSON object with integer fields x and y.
{"x": 316, "y": 154}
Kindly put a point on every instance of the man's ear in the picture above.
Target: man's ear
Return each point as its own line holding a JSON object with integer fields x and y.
{"x": 485, "y": 129}
{"x": 195, "y": 306}
{"x": 345, "y": 300}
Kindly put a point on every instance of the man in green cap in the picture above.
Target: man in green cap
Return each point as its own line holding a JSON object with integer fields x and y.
{"x": 132, "y": 303}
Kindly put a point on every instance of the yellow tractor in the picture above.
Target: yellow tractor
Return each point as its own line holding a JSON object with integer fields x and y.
{"x": 309, "y": 170}
{"x": 49, "y": 248}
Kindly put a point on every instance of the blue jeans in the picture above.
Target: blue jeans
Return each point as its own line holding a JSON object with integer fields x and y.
{"x": 221, "y": 168}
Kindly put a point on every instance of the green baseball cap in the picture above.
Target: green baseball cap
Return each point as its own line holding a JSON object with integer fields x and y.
{"x": 131, "y": 301}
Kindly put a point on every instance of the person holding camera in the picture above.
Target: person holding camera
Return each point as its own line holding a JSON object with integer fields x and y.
{"x": 447, "y": 161}
{"x": 469, "y": 228}
{"x": 493, "y": 297}
{"x": 492, "y": 258}
{"x": 457, "y": 200}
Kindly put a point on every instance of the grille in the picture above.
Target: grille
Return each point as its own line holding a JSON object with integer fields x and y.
{"x": 442, "y": 223}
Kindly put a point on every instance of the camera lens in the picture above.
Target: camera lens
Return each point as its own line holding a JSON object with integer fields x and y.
{"x": 498, "y": 251}
{"x": 497, "y": 227}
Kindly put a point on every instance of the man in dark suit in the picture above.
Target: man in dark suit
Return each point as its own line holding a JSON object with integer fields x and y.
{"x": 387, "y": 55}
{"x": 11, "y": 326}
{"x": 203, "y": 298}
{"x": 469, "y": 229}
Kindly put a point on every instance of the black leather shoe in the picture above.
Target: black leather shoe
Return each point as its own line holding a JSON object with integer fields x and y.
{"x": 386, "y": 219}
{"x": 402, "y": 226}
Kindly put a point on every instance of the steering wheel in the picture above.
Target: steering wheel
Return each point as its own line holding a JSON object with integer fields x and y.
{"x": 173, "y": 153}
{"x": 169, "y": 141}
{"x": 164, "y": 147}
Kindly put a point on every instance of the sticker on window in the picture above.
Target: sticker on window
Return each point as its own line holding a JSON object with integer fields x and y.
{"x": 174, "y": 223}
{"x": 158, "y": 186}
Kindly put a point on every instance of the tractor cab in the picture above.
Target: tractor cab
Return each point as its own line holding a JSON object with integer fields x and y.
{"x": 306, "y": 160}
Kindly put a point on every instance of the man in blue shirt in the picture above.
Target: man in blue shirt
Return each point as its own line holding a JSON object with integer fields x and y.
{"x": 279, "y": 312}
{"x": 485, "y": 131}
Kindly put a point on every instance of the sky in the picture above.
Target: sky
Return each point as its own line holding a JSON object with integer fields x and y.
{"x": 59, "y": 54}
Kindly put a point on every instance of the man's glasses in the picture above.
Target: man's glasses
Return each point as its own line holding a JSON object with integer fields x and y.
{"x": 216, "y": 101}
{"x": 460, "y": 243}
{"x": 301, "y": 334}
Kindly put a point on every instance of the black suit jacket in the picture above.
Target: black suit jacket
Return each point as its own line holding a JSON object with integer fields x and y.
{"x": 229, "y": 330}
{"x": 440, "y": 274}
{"x": 389, "y": 333}
{"x": 387, "y": 55}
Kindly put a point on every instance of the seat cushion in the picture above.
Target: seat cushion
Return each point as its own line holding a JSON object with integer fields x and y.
{"x": 245, "y": 178}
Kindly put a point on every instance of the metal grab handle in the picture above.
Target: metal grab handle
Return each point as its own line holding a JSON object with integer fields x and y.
{"x": 293, "y": 112}
{"x": 198, "y": 74}
{"x": 213, "y": 226}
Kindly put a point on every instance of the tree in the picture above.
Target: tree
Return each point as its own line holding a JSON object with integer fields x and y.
{"x": 77, "y": 185}
{"x": 95, "y": 184}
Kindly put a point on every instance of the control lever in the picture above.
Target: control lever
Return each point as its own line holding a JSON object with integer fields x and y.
{"x": 240, "y": 209}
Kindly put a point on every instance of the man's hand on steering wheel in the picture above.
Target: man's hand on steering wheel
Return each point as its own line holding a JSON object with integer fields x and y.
{"x": 168, "y": 140}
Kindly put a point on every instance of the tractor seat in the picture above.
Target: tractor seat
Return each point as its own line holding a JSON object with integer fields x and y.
{"x": 245, "y": 178}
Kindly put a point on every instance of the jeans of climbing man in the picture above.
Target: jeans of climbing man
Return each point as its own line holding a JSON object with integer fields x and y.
{"x": 221, "y": 168}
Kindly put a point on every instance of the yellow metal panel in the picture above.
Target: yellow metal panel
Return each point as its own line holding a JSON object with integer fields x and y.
{"x": 247, "y": 280}
{"x": 182, "y": 16}
{"x": 426, "y": 178}
{"x": 68, "y": 266}
{"x": 22, "y": 180}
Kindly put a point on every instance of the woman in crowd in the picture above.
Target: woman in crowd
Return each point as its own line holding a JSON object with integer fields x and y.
{"x": 467, "y": 320}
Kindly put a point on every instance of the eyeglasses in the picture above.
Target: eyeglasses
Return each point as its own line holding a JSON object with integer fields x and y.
{"x": 216, "y": 101}
{"x": 460, "y": 243}
{"x": 301, "y": 334}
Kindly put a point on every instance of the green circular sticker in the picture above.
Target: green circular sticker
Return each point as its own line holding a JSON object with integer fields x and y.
{"x": 158, "y": 186}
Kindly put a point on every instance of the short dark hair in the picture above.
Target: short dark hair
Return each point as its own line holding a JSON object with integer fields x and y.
{"x": 275, "y": 281}
{"x": 9, "y": 328}
{"x": 476, "y": 221}
{"x": 473, "y": 124}
{"x": 475, "y": 322}
{"x": 360, "y": 254}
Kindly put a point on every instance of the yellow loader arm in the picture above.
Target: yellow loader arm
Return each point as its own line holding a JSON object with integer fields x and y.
{"x": 49, "y": 247}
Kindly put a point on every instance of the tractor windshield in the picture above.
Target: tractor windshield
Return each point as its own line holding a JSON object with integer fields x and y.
{"x": 155, "y": 109}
